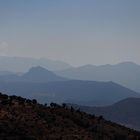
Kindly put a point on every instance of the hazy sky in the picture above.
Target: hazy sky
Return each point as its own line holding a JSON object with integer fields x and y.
{"x": 75, "y": 31}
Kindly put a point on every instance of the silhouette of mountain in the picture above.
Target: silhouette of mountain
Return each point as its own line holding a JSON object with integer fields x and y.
{"x": 25, "y": 119}
{"x": 126, "y": 74}
{"x": 125, "y": 112}
{"x": 39, "y": 74}
{"x": 35, "y": 74}
{"x": 22, "y": 64}
{"x": 86, "y": 92}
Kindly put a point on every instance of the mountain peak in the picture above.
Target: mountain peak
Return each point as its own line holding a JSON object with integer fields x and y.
{"x": 38, "y": 69}
{"x": 40, "y": 74}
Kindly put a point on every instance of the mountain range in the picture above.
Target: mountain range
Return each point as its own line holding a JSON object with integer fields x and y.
{"x": 126, "y": 74}
{"x": 45, "y": 85}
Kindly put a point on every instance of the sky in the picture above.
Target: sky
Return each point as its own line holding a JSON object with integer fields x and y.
{"x": 74, "y": 31}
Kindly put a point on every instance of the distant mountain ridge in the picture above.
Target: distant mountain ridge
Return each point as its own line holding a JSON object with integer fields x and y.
{"x": 125, "y": 112}
{"x": 22, "y": 64}
{"x": 83, "y": 92}
{"x": 126, "y": 74}
{"x": 46, "y": 85}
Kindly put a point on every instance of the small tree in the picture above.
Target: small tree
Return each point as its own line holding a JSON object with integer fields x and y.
{"x": 64, "y": 105}
{"x": 34, "y": 101}
{"x": 72, "y": 109}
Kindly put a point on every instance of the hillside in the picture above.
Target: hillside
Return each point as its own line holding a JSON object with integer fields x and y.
{"x": 125, "y": 73}
{"x": 22, "y": 119}
{"x": 125, "y": 112}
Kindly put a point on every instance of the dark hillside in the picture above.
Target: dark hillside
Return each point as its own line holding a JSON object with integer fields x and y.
{"x": 24, "y": 119}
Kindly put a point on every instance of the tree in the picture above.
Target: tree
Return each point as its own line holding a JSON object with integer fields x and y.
{"x": 54, "y": 105}
{"x": 34, "y": 101}
{"x": 28, "y": 101}
{"x": 64, "y": 105}
{"x": 4, "y": 96}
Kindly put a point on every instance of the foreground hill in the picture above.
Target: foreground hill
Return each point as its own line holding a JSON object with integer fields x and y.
{"x": 24, "y": 119}
{"x": 126, "y": 74}
{"x": 125, "y": 112}
{"x": 80, "y": 92}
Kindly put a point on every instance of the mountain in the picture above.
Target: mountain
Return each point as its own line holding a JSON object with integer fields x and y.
{"x": 35, "y": 74}
{"x": 25, "y": 119}
{"x": 40, "y": 74}
{"x": 125, "y": 112}
{"x": 126, "y": 74}
{"x": 46, "y": 85}
{"x": 83, "y": 92}
{"x": 22, "y": 64}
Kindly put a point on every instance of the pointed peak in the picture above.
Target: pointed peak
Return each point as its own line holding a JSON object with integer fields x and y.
{"x": 37, "y": 68}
